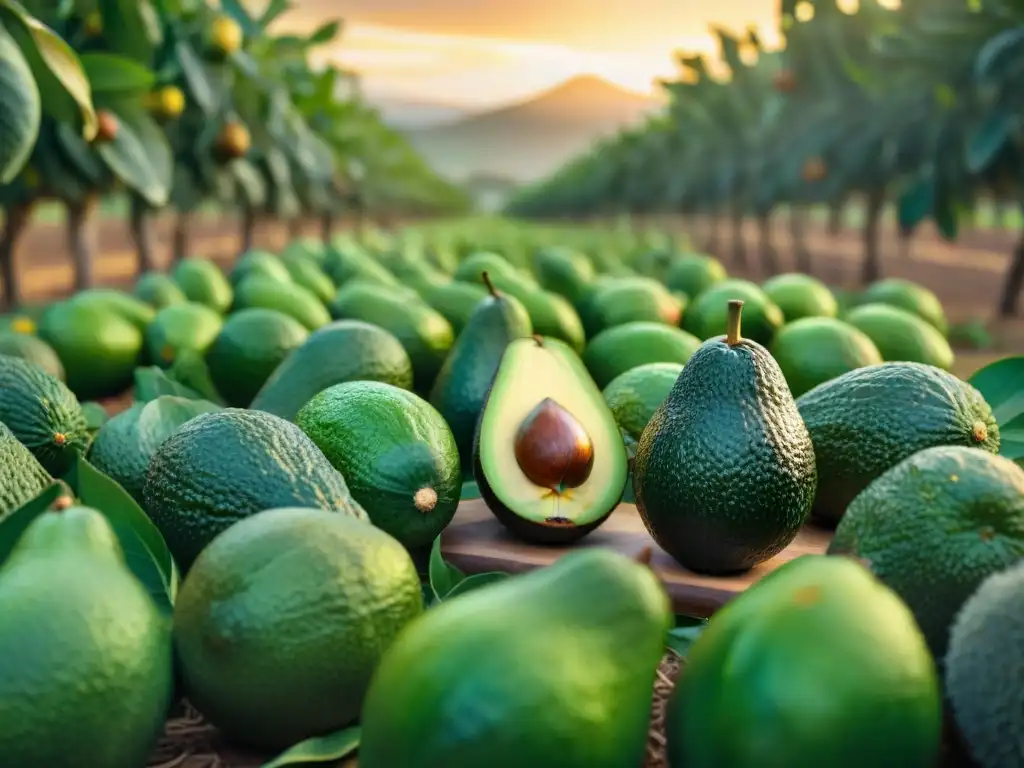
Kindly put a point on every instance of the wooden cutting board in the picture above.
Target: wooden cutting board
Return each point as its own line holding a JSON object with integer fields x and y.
{"x": 476, "y": 542}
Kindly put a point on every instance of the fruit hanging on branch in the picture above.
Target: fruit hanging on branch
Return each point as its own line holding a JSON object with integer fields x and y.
{"x": 107, "y": 127}
{"x": 814, "y": 170}
{"x": 233, "y": 141}
{"x": 226, "y": 36}
{"x": 166, "y": 103}
{"x": 93, "y": 24}
{"x": 785, "y": 81}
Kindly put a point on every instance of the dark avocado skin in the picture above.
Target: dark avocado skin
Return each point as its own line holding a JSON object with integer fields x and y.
{"x": 465, "y": 379}
{"x": 870, "y": 419}
{"x": 724, "y": 474}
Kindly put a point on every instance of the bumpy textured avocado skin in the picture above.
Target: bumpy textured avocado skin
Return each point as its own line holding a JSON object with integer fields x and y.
{"x": 42, "y": 413}
{"x": 934, "y": 527}
{"x": 724, "y": 474}
{"x": 465, "y": 379}
{"x": 23, "y": 477}
{"x": 985, "y": 670}
{"x": 346, "y": 350}
{"x": 870, "y": 419}
{"x": 224, "y": 466}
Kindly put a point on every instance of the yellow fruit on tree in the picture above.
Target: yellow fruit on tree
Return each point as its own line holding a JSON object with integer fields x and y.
{"x": 107, "y": 126}
{"x": 93, "y": 24}
{"x": 226, "y": 35}
{"x": 234, "y": 140}
{"x": 166, "y": 103}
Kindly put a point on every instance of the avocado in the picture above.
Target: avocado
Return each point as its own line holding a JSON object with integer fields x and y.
{"x": 868, "y": 420}
{"x": 461, "y": 387}
{"x": 124, "y": 445}
{"x": 911, "y": 297}
{"x": 455, "y": 301}
{"x": 77, "y": 613}
{"x": 424, "y": 333}
{"x": 347, "y": 350}
{"x": 262, "y": 263}
{"x": 98, "y": 347}
{"x": 985, "y": 659}
{"x": 289, "y": 298}
{"x": 724, "y": 474}
{"x": 817, "y": 629}
{"x": 311, "y": 249}
{"x": 283, "y": 620}
{"x": 223, "y": 466}
{"x": 248, "y": 349}
{"x": 635, "y": 395}
{"x": 308, "y": 274}
{"x": 567, "y": 466}
{"x": 934, "y": 527}
{"x": 396, "y": 452}
{"x": 590, "y": 628}
{"x": 694, "y": 273}
{"x": 707, "y": 315}
{"x": 656, "y": 261}
{"x": 42, "y": 413}
{"x": 495, "y": 265}
{"x": 564, "y": 271}
{"x": 624, "y": 347}
{"x": 813, "y": 350}
{"x": 901, "y": 336}
{"x": 158, "y": 290}
{"x": 799, "y": 295}
{"x": 23, "y": 477}
{"x": 137, "y": 312}
{"x": 202, "y": 282}
{"x": 32, "y": 349}
{"x": 191, "y": 326}
{"x": 352, "y": 262}
{"x": 629, "y": 300}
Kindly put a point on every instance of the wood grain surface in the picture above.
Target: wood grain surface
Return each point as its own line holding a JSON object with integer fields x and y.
{"x": 476, "y": 542}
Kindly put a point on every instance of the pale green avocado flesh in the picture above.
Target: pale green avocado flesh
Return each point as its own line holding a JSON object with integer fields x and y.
{"x": 529, "y": 373}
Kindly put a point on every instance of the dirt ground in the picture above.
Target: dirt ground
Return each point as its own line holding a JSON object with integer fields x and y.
{"x": 966, "y": 275}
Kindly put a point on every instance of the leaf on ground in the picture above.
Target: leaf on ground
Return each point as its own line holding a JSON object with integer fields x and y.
{"x": 470, "y": 490}
{"x": 681, "y": 639}
{"x": 13, "y": 525}
{"x": 144, "y": 547}
{"x": 475, "y": 581}
{"x": 152, "y": 382}
{"x": 95, "y": 416}
{"x": 444, "y": 577}
{"x": 320, "y": 749}
{"x": 1002, "y": 385}
{"x": 190, "y": 370}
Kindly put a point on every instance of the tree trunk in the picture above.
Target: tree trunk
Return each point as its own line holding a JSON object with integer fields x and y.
{"x": 326, "y": 227}
{"x": 1009, "y": 303}
{"x": 801, "y": 253}
{"x": 739, "y": 244}
{"x": 142, "y": 234}
{"x": 15, "y": 223}
{"x": 764, "y": 226}
{"x": 179, "y": 247}
{"x": 906, "y": 243}
{"x": 713, "y": 240}
{"x": 248, "y": 228}
{"x": 295, "y": 228}
{"x": 82, "y": 242}
{"x": 872, "y": 266}
{"x": 835, "y": 219}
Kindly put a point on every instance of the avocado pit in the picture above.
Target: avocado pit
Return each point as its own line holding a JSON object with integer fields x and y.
{"x": 553, "y": 449}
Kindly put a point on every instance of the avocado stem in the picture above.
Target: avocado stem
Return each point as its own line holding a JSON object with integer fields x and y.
{"x": 539, "y": 339}
{"x": 488, "y": 284}
{"x": 732, "y": 327}
{"x": 644, "y": 556}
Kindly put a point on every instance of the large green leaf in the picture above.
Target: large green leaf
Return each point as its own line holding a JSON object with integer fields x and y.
{"x": 58, "y": 72}
{"x": 201, "y": 88}
{"x": 145, "y": 550}
{"x": 1002, "y": 385}
{"x": 989, "y": 139}
{"x": 320, "y": 749}
{"x": 131, "y": 28}
{"x": 140, "y": 156}
{"x": 109, "y": 73}
{"x": 152, "y": 382}
{"x": 22, "y": 111}
{"x": 444, "y": 577}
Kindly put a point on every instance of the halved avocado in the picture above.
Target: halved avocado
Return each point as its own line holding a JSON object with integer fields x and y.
{"x": 548, "y": 456}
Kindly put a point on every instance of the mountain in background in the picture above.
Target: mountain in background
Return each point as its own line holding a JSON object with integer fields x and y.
{"x": 415, "y": 114}
{"x": 530, "y": 139}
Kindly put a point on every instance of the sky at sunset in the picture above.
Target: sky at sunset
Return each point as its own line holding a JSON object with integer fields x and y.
{"x": 482, "y": 52}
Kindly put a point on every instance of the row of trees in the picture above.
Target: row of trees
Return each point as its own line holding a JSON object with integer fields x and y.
{"x": 178, "y": 104}
{"x": 916, "y": 104}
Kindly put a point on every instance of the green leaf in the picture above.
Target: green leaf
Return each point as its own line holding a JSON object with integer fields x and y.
{"x": 54, "y": 61}
{"x": 144, "y": 548}
{"x": 444, "y": 577}
{"x": 131, "y": 28}
{"x": 916, "y": 202}
{"x": 1002, "y": 385}
{"x": 680, "y": 639}
{"x": 200, "y": 87}
{"x": 236, "y": 10}
{"x": 190, "y": 369}
{"x": 477, "y": 580}
{"x": 140, "y": 156}
{"x": 162, "y": 417}
{"x": 273, "y": 10}
{"x": 95, "y": 416}
{"x": 470, "y": 490}
{"x": 19, "y": 123}
{"x": 109, "y": 73}
{"x": 13, "y": 525}
{"x": 152, "y": 382}
{"x": 987, "y": 141}
{"x": 325, "y": 33}
{"x": 320, "y": 749}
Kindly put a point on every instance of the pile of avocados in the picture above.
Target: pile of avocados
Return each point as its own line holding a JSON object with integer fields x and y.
{"x": 229, "y": 487}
